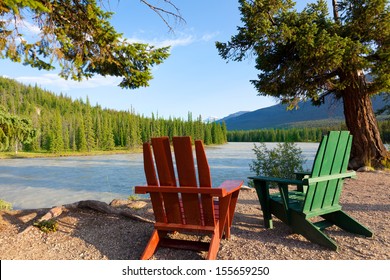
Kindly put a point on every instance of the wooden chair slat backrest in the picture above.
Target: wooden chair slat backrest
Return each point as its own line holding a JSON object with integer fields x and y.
{"x": 204, "y": 182}
{"x": 184, "y": 205}
{"x": 187, "y": 178}
{"x": 188, "y": 208}
{"x": 203, "y": 165}
{"x": 163, "y": 159}
{"x": 333, "y": 189}
{"x": 331, "y": 158}
{"x": 184, "y": 161}
{"x": 151, "y": 179}
{"x": 166, "y": 174}
{"x": 150, "y": 171}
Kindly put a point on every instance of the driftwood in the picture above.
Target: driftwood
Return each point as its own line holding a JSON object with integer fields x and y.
{"x": 105, "y": 208}
{"x": 53, "y": 213}
{"x": 95, "y": 205}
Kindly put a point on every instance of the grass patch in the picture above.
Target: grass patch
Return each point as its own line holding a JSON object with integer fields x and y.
{"x": 4, "y": 205}
{"x": 44, "y": 154}
{"x": 133, "y": 197}
{"x": 47, "y": 226}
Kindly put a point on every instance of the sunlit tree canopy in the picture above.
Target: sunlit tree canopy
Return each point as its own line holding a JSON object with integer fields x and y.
{"x": 77, "y": 37}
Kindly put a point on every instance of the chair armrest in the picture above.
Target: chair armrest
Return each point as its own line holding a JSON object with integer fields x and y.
{"x": 351, "y": 174}
{"x": 263, "y": 192}
{"x": 225, "y": 189}
{"x": 230, "y": 186}
{"x": 278, "y": 180}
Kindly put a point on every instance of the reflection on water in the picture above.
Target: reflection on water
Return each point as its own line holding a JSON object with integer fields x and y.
{"x": 33, "y": 183}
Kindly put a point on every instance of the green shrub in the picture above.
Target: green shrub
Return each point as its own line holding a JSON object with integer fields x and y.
{"x": 280, "y": 162}
{"x": 133, "y": 197}
{"x": 4, "y": 205}
{"x": 47, "y": 226}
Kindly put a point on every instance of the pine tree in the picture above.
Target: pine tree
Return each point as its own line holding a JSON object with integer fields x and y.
{"x": 81, "y": 141}
{"x": 108, "y": 136}
{"x": 88, "y": 126}
{"x": 311, "y": 54}
{"x": 98, "y": 130}
{"x": 56, "y": 140}
{"x": 66, "y": 138}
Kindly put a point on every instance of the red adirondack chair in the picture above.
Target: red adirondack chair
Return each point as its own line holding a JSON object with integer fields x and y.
{"x": 186, "y": 206}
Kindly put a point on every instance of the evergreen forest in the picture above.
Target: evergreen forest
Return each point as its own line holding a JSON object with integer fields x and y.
{"x": 61, "y": 124}
{"x": 297, "y": 134}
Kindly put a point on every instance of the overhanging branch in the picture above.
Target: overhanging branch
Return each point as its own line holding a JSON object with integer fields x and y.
{"x": 164, "y": 14}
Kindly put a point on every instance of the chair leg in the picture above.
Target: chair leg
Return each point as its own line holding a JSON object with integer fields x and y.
{"x": 152, "y": 245}
{"x": 226, "y": 230}
{"x": 264, "y": 199}
{"x": 232, "y": 207}
{"x": 304, "y": 227}
{"x": 214, "y": 245}
{"x": 224, "y": 219}
{"x": 347, "y": 223}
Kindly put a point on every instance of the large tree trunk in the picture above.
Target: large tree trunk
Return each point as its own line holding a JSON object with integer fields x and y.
{"x": 367, "y": 145}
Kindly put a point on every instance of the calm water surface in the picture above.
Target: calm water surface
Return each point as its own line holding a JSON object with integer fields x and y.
{"x": 46, "y": 182}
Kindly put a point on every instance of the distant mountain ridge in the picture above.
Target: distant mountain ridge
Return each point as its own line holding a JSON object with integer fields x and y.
{"x": 234, "y": 115}
{"x": 277, "y": 116}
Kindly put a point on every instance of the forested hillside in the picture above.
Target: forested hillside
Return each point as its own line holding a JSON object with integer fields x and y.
{"x": 297, "y": 134}
{"x": 278, "y": 117}
{"x": 63, "y": 124}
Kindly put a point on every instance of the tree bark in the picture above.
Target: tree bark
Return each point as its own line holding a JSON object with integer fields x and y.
{"x": 367, "y": 146}
{"x": 335, "y": 11}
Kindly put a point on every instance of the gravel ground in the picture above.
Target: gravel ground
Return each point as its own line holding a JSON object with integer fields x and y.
{"x": 87, "y": 234}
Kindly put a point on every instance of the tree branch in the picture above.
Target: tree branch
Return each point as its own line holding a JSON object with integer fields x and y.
{"x": 271, "y": 19}
{"x": 164, "y": 14}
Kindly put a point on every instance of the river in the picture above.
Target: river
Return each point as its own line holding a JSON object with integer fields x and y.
{"x": 47, "y": 182}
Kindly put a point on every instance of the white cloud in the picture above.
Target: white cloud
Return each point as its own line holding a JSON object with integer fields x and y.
{"x": 181, "y": 41}
{"x": 185, "y": 41}
{"x": 31, "y": 28}
{"x": 25, "y": 27}
{"x": 209, "y": 36}
{"x": 55, "y": 81}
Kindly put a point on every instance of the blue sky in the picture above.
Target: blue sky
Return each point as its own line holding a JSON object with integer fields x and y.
{"x": 193, "y": 79}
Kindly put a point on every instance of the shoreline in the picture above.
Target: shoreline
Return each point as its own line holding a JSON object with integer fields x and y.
{"x": 24, "y": 155}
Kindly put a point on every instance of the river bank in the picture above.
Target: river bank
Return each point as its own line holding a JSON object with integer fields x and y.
{"x": 19, "y": 155}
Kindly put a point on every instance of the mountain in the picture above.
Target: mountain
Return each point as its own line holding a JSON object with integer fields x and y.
{"x": 278, "y": 116}
{"x": 234, "y": 115}
{"x": 210, "y": 119}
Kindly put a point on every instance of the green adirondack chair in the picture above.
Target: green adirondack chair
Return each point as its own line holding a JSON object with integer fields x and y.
{"x": 314, "y": 204}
